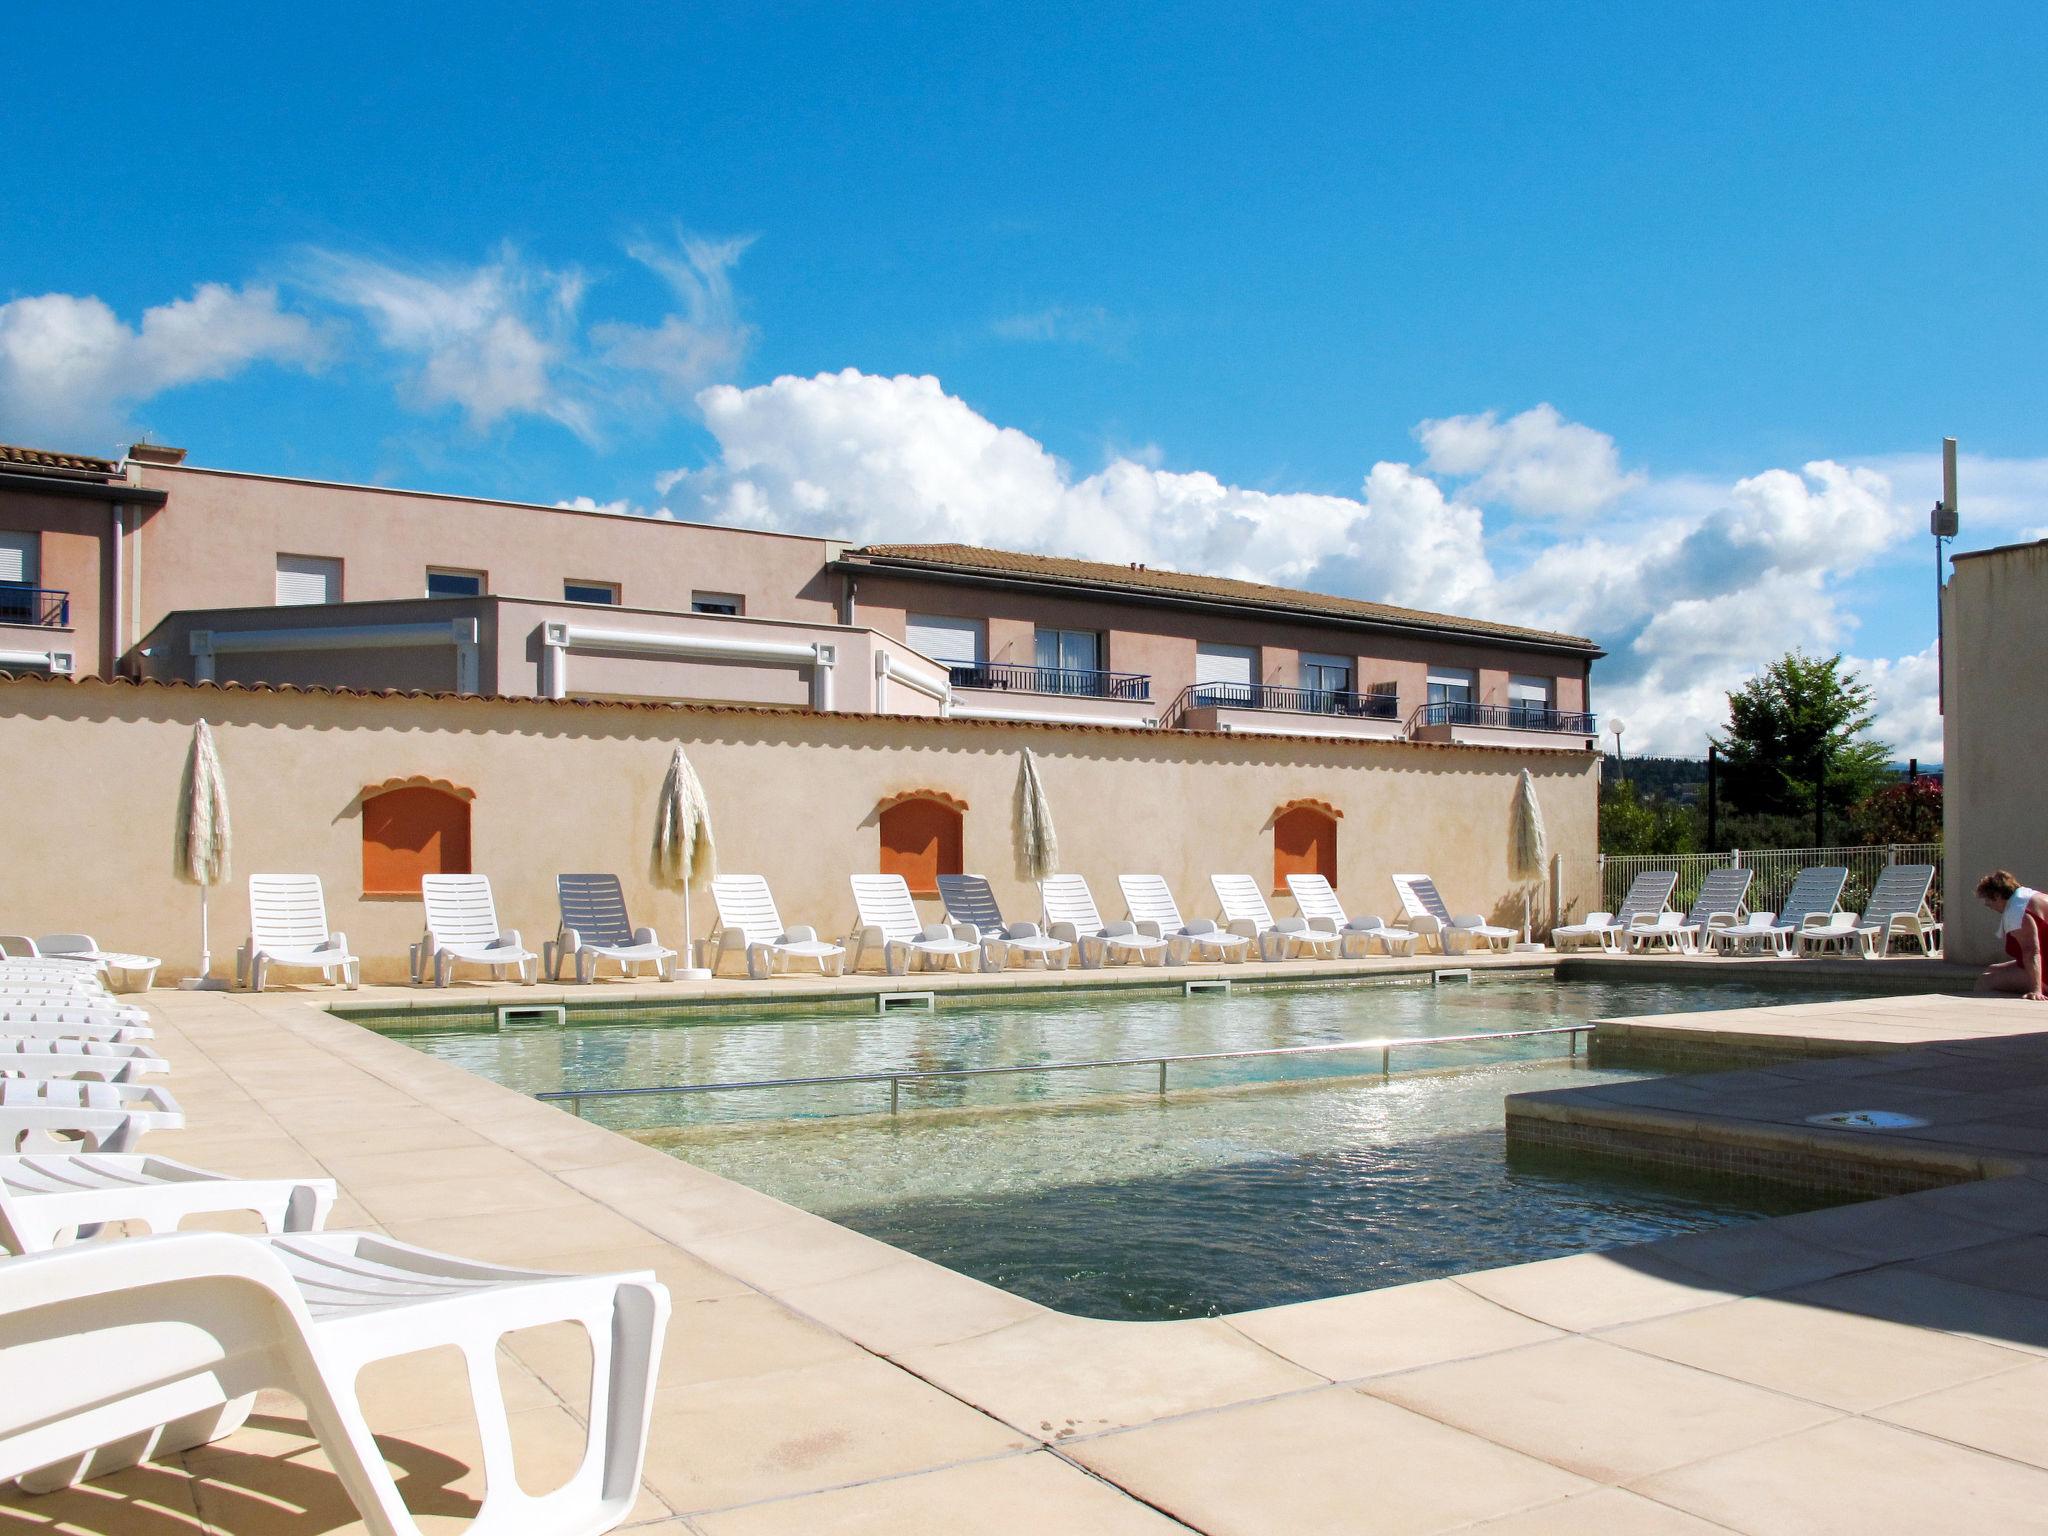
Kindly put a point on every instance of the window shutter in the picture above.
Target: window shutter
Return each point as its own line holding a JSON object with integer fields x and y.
{"x": 18, "y": 558}
{"x": 304, "y": 579}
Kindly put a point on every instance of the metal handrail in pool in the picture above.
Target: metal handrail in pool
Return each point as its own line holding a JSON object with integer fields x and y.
{"x": 895, "y": 1080}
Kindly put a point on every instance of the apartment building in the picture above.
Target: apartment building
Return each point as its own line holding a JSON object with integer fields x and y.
{"x": 152, "y": 567}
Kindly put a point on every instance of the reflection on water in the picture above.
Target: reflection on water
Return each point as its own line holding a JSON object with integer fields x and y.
{"x": 1253, "y": 1183}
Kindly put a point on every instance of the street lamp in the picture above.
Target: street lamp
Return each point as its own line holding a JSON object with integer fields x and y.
{"x": 1620, "y": 763}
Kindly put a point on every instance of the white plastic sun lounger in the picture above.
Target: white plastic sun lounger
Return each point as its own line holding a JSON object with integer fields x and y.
{"x": 1811, "y": 903}
{"x": 26, "y": 1056}
{"x": 52, "y": 976}
{"x": 1723, "y": 901}
{"x": 1898, "y": 909}
{"x": 288, "y": 928}
{"x": 462, "y": 929}
{"x": 1148, "y": 902}
{"x": 748, "y": 923}
{"x": 1648, "y": 894}
{"x": 46, "y": 1199}
{"x": 1836, "y": 933}
{"x": 38, "y": 1114}
{"x": 1070, "y": 914}
{"x": 122, "y": 1351}
{"x": 135, "y": 972}
{"x": 971, "y": 903}
{"x": 1245, "y": 911}
{"x": 1758, "y": 930}
{"x": 1317, "y": 901}
{"x": 595, "y": 927}
{"x": 889, "y": 927}
{"x": 1659, "y": 930}
{"x": 1423, "y": 909}
{"x": 61, "y": 1020}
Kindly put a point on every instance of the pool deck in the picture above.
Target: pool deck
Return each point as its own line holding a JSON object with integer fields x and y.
{"x": 1877, "y": 1367}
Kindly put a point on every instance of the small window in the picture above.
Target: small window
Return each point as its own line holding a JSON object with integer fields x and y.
{"x": 1304, "y": 843}
{"x": 411, "y": 831}
{"x": 731, "y": 604}
{"x": 442, "y": 583}
{"x": 307, "y": 579}
{"x": 604, "y": 593}
{"x": 920, "y": 841}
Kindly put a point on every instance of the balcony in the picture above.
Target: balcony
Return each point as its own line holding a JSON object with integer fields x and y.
{"x": 1067, "y": 682}
{"x": 1266, "y": 709}
{"x": 34, "y": 607}
{"x": 1469, "y": 723}
{"x": 1062, "y": 695}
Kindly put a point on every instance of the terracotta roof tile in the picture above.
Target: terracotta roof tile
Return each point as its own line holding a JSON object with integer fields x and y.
{"x": 12, "y": 457}
{"x": 1125, "y": 578}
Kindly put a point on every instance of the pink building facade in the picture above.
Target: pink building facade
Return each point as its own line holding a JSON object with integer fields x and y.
{"x": 152, "y": 567}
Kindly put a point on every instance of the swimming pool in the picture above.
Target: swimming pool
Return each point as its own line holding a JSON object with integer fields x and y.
{"x": 1251, "y": 1183}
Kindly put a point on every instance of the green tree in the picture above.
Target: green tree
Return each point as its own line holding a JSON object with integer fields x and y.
{"x": 1630, "y": 824}
{"x": 1802, "y": 718}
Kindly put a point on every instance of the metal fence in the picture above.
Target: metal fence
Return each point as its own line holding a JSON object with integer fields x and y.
{"x": 1776, "y": 869}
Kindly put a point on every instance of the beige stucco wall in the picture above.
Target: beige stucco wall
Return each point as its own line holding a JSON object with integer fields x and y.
{"x": 92, "y": 774}
{"x": 1994, "y": 733}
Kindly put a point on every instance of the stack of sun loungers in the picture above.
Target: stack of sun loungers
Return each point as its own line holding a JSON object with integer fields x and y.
{"x": 117, "y": 1348}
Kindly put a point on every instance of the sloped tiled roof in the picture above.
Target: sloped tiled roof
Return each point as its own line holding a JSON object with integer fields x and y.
{"x": 12, "y": 457}
{"x": 967, "y": 558}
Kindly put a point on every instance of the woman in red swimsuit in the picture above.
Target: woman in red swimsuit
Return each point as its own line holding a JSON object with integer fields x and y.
{"x": 2023, "y": 924}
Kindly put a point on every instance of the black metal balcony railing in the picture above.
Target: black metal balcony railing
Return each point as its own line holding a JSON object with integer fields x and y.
{"x": 1298, "y": 701}
{"x": 44, "y": 607}
{"x": 1512, "y": 717}
{"x": 1341, "y": 702}
{"x": 1074, "y": 682}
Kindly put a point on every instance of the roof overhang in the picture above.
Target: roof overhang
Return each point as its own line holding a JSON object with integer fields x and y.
{"x": 32, "y": 484}
{"x": 1017, "y": 581}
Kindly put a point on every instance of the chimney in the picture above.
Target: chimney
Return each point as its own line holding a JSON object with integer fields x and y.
{"x": 155, "y": 453}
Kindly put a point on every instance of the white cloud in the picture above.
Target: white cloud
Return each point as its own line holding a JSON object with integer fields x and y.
{"x": 706, "y": 341}
{"x": 71, "y": 369}
{"x": 1536, "y": 462}
{"x": 490, "y": 340}
{"x": 898, "y": 460}
{"x": 1906, "y": 698}
{"x": 507, "y": 338}
{"x": 1087, "y": 325}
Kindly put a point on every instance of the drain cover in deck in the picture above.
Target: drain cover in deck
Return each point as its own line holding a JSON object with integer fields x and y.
{"x": 1867, "y": 1120}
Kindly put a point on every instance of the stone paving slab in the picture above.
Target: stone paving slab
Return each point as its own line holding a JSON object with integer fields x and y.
{"x": 818, "y": 1381}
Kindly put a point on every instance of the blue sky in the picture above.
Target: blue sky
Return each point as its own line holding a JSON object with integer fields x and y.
{"x": 1183, "y": 281}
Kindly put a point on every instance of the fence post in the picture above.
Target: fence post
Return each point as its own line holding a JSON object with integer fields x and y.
{"x": 1891, "y": 853}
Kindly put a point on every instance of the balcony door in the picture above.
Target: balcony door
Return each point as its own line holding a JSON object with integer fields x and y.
{"x": 1069, "y": 661}
{"x": 1449, "y": 687}
{"x": 1224, "y": 674}
{"x": 1326, "y": 681}
{"x": 1530, "y": 701}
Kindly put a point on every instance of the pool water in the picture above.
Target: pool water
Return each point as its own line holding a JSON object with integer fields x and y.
{"x": 1252, "y": 1183}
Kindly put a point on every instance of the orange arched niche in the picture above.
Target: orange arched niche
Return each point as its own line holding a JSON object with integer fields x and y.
{"x": 413, "y": 827}
{"x": 1305, "y": 841}
{"x": 921, "y": 838}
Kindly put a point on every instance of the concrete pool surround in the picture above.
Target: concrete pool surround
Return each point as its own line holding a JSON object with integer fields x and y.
{"x": 1881, "y": 1366}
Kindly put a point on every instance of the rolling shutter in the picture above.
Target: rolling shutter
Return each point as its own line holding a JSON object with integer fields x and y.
{"x": 945, "y": 639}
{"x": 1224, "y": 664}
{"x": 18, "y": 558}
{"x": 304, "y": 579}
